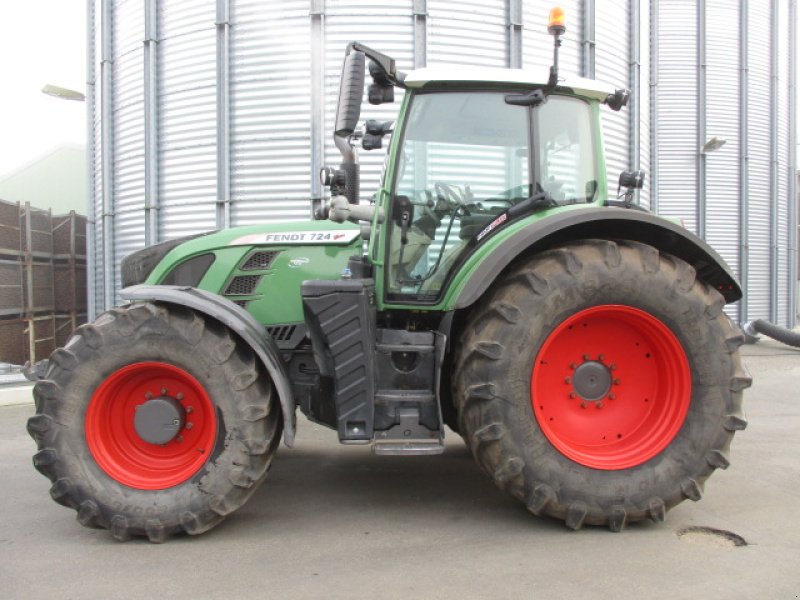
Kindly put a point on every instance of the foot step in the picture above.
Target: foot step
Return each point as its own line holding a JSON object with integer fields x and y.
{"x": 407, "y": 447}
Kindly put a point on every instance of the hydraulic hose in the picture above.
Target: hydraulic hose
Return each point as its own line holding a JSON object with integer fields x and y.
{"x": 783, "y": 335}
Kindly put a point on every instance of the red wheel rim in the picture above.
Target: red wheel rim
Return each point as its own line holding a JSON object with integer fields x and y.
{"x": 117, "y": 447}
{"x": 611, "y": 387}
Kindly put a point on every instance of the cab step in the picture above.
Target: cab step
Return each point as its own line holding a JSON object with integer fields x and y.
{"x": 408, "y": 448}
{"x": 409, "y": 437}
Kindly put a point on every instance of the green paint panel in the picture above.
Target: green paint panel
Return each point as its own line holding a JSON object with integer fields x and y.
{"x": 319, "y": 250}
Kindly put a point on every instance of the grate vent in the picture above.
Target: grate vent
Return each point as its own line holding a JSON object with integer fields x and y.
{"x": 281, "y": 333}
{"x": 242, "y": 285}
{"x": 260, "y": 260}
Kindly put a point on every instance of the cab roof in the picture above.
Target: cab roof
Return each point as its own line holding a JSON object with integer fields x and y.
{"x": 450, "y": 74}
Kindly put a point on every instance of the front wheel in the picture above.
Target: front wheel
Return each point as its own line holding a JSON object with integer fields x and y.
{"x": 154, "y": 420}
{"x": 600, "y": 383}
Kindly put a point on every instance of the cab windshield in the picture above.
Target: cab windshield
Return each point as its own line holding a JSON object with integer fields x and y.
{"x": 466, "y": 158}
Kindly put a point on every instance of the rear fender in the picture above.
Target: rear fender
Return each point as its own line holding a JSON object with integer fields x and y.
{"x": 242, "y": 323}
{"x": 600, "y": 223}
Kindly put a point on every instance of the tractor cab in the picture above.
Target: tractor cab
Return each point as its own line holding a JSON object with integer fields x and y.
{"x": 474, "y": 152}
{"x": 466, "y": 162}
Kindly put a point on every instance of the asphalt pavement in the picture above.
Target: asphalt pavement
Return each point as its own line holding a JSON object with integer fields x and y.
{"x": 335, "y": 522}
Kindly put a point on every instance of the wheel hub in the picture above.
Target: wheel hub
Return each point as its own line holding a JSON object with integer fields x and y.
{"x": 159, "y": 420}
{"x": 151, "y": 425}
{"x": 592, "y": 380}
{"x": 610, "y": 387}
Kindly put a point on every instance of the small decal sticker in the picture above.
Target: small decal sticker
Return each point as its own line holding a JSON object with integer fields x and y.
{"x": 488, "y": 229}
{"x": 298, "y": 262}
{"x": 297, "y": 237}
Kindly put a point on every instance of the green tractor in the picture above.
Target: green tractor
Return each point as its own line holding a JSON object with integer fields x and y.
{"x": 576, "y": 342}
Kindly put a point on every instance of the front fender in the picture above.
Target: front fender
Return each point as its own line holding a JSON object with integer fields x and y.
{"x": 596, "y": 223}
{"x": 240, "y": 322}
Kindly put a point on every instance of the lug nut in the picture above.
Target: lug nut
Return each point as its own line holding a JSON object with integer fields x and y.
{"x": 572, "y": 394}
{"x": 617, "y": 382}
{"x": 179, "y": 439}
{"x": 598, "y": 405}
{"x": 567, "y": 380}
{"x": 189, "y": 425}
{"x": 163, "y": 391}
{"x": 585, "y": 357}
{"x": 573, "y": 366}
{"x": 601, "y": 357}
{"x": 148, "y": 395}
{"x": 179, "y": 396}
{"x": 189, "y": 410}
{"x": 612, "y": 367}
{"x": 611, "y": 396}
{"x": 583, "y": 404}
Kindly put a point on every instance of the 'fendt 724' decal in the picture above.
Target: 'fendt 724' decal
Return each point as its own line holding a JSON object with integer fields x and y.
{"x": 297, "y": 237}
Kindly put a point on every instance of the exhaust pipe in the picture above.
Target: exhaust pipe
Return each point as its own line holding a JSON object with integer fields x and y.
{"x": 348, "y": 111}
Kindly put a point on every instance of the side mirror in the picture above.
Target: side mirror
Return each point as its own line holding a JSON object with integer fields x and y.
{"x": 631, "y": 179}
{"x": 351, "y": 90}
{"x": 381, "y": 91}
{"x": 618, "y": 99}
{"x": 375, "y": 131}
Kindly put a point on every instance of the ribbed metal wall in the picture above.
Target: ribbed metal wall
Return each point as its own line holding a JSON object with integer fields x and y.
{"x": 270, "y": 97}
{"x": 723, "y": 70}
{"x": 759, "y": 157}
{"x": 721, "y": 182}
{"x": 612, "y": 56}
{"x": 186, "y": 123}
{"x": 217, "y": 113}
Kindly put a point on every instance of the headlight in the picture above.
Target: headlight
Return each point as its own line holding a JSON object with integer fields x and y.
{"x": 136, "y": 267}
{"x": 189, "y": 272}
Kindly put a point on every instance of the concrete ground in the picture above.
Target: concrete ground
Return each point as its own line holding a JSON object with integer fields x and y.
{"x": 336, "y": 522}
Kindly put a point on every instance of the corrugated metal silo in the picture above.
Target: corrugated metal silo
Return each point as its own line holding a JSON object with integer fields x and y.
{"x": 725, "y": 71}
{"x": 216, "y": 113}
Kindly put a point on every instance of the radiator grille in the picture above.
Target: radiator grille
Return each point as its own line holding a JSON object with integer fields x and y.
{"x": 262, "y": 259}
{"x": 281, "y": 333}
{"x": 242, "y": 285}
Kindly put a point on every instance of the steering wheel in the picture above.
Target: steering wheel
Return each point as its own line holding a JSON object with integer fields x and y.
{"x": 451, "y": 195}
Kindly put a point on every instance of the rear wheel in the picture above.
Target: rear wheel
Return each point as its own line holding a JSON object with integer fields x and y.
{"x": 600, "y": 383}
{"x": 154, "y": 420}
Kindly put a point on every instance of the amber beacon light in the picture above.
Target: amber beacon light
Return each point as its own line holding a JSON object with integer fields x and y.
{"x": 556, "y": 28}
{"x": 556, "y": 24}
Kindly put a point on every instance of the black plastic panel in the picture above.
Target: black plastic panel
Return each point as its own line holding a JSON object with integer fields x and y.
{"x": 341, "y": 322}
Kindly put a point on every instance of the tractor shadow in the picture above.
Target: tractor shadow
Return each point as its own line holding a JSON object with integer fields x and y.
{"x": 323, "y": 486}
{"x": 316, "y": 483}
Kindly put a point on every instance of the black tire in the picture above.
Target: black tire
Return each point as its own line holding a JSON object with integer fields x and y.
{"x": 246, "y": 427}
{"x": 503, "y": 338}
